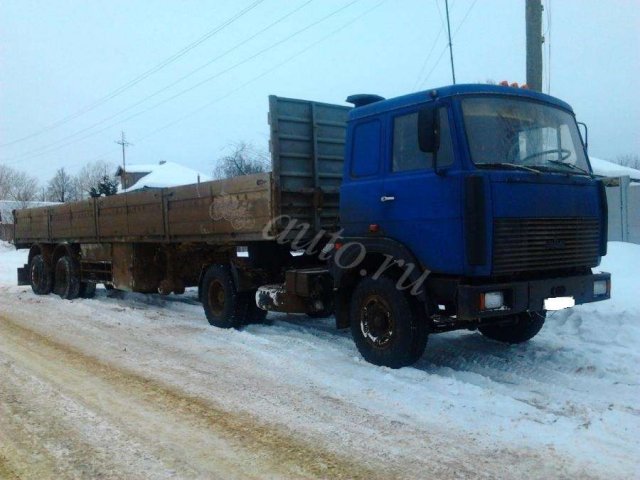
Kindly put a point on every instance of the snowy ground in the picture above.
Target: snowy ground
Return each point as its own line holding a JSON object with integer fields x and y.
{"x": 140, "y": 386}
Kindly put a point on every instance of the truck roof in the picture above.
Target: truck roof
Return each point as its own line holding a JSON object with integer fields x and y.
{"x": 449, "y": 91}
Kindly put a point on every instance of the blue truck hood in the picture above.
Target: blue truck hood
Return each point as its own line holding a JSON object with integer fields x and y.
{"x": 520, "y": 194}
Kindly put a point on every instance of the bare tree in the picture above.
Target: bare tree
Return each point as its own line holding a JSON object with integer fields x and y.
{"x": 243, "y": 159}
{"x": 629, "y": 160}
{"x": 61, "y": 187}
{"x": 6, "y": 177}
{"x": 25, "y": 188}
{"x": 91, "y": 176}
{"x": 17, "y": 186}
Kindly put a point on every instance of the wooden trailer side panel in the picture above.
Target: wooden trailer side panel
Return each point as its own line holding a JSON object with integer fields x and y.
{"x": 112, "y": 217}
{"x": 145, "y": 216}
{"x": 32, "y": 225}
{"x": 83, "y": 220}
{"x": 221, "y": 211}
{"x": 228, "y": 210}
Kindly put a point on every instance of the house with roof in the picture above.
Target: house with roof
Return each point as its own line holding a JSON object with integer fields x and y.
{"x": 159, "y": 175}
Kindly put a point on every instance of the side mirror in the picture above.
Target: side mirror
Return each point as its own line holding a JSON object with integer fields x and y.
{"x": 429, "y": 129}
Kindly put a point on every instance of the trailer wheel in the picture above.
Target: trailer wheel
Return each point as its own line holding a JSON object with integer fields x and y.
{"x": 67, "y": 278}
{"x": 41, "y": 276}
{"x": 223, "y": 305}
{"x": 525, "y": 326}
{"x": 87, "y": 290}
{"x": 384, "y": 325}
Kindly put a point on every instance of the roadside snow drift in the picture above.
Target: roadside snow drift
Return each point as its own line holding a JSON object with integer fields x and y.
{"x": 564, "y": 405}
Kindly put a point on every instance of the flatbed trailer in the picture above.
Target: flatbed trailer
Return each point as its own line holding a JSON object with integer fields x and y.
{"x": 162, "y": 240}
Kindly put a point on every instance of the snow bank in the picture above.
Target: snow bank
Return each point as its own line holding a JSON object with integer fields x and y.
{"x": 572, "y": 391}
{"x": 10, "y": 260}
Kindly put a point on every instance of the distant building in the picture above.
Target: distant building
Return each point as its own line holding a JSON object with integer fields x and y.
{"x": 160, "y": 175}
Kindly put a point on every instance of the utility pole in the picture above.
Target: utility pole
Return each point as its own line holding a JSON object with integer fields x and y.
{"x": 453, "y": 72}
{"x": 533, "y": 14}
{"x": 125, "y": 144}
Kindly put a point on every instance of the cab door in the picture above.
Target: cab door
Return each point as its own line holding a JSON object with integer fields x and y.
{"x": 419, "y": 207}
{"x": 363, "y": 178}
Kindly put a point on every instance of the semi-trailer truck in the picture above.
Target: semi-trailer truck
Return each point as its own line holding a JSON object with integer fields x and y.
{"x": 461, "y": 207}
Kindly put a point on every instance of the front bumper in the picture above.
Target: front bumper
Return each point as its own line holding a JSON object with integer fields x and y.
{"x": 529, "y": 295}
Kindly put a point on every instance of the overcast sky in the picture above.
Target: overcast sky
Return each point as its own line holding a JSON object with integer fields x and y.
{"x": 63, "y": 65}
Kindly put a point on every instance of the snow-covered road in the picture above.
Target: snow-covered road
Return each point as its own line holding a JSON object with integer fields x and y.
{"x": 133, "y": 386}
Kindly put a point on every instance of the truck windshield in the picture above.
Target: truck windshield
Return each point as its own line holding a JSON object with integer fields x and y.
{"x": 517, "y": 133}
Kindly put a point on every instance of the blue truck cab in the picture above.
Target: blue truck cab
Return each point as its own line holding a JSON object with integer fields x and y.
{"x": 481, "y": 194}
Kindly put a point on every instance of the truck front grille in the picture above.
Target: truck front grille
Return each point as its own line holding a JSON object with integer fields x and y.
{"x": 532, "y": 244}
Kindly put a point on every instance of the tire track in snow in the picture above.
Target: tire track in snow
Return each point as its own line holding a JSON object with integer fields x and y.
{"x": 245, "y": 447}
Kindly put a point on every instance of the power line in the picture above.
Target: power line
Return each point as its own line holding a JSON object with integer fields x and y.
{"x": 253, "y": 80}
{"x": 202, "y": 82}
{"x": 140, "y": 77}
{"x": 455, "y": 33}
{"x": 424, "y": 65}
{"x": 265, "y": 73}
{"x": 165, "y": 88}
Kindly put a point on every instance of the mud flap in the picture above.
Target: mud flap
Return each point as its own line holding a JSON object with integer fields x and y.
{"x": 23, "y": 276}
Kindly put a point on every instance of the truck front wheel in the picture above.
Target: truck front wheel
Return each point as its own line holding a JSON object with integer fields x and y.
{"x": 223, "y": 305}
{"x": 522, "y": 327}
{"x": 384, "y": 326}
{"x": 41, "y": 276}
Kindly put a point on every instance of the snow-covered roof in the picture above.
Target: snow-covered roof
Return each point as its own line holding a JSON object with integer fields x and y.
{"x": 8, "y": 206}
{"x": 610, "y": 169}
{"x": 168, "y": 174}
{"x": 140, "y": 168}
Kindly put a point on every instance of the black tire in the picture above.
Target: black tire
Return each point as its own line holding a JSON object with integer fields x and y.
{"x": 523, "y": 327}
{"x": 223, "y": 305}
{"x": 41, "y": 275}
{"x": 87, "y": 290}
{"x": 384, "y": 326}
{"x": 66, "y": 278}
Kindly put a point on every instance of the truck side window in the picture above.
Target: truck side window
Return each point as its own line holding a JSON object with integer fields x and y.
{"x": 406, "y": 152}
{"x": 365, "y": 158}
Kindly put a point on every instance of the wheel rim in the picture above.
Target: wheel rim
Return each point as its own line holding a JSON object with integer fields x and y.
{"x": 216, "y": 297}
{"x": 376, "y": 321}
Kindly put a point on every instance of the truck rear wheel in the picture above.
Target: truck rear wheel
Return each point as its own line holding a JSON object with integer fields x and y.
{"x": 525, "y": 326}
{"x": 41, "y": 276}
{"x": 66, "y": 280}
{"x": 384, "y": 325}
{"x": 223, "y": 305}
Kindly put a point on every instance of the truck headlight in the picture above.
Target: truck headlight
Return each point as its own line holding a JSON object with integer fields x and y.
{"x": 600, "y": 287}
{"x": 491, "y": 300}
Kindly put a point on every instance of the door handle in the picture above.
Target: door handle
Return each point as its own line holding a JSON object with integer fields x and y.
{"x": 384, "y": 198}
